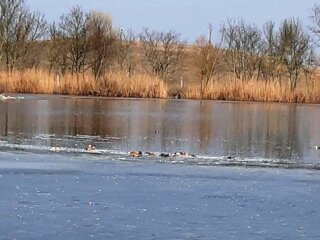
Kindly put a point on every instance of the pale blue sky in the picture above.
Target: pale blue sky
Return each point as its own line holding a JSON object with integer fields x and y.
{"x": 188, "y": 17}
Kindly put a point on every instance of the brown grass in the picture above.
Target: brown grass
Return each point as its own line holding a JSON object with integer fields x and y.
{"x": 118, "y": 84}
{"x": 254, "y": 90}
{"x": 110, "y": 85}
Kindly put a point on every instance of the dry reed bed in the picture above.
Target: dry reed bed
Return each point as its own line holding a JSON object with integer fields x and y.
{"x": 110, "y": 85}
{"x": 260, "y": 91}
{"x": 117, "y": 84}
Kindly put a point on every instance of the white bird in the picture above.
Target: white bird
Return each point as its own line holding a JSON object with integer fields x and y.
{"x": 4, "y": 97}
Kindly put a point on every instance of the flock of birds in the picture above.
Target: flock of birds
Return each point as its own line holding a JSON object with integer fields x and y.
{"x": 136, "y": 154}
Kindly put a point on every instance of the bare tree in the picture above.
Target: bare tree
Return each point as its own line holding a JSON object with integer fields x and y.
{"x": 294, "y": 46}
{"x": 19, "y": 28}
{"x": 315, "y": 29}
{"x": 101, "y": 39}
{"x": 163, "y": 51}
{"x": 126, "y": 56}
{"x": 244, "y": 47}
{"x": 74, "y": 29}
{"x": 315, "y": 17}
{"x": 35, "y": 58}
{"x": 271, "y": 58}
{"x": 208, "y": 59}
{"x": 57, "y": 51}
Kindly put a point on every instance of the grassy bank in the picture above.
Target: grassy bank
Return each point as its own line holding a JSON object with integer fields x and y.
{"x": 117, "y": 84}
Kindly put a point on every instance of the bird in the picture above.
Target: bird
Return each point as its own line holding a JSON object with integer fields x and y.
{"x": 316, "y": 147}
{"x": 91, "y": 148}
{"x": 55, "y": 149}
{"x": 184, "y": 154}
{"x": 150, "y": 154}
{"x": 5, "y": 97}
{"x": 164, "y": 155}
{"x": 181, "y": 154}
{"x": 135, "y": 154}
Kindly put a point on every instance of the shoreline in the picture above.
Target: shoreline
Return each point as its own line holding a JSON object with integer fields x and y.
{"x": 9, "y": 94}
{"x": 144, "y": 86}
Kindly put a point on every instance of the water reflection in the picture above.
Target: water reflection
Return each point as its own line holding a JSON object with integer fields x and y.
{"x": 284, "y": 131}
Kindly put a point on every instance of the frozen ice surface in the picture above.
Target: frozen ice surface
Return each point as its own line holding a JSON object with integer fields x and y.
{"x": 53, "y": 196}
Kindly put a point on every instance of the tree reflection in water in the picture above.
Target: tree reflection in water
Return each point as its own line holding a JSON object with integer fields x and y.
{"x": 266, "y": 130}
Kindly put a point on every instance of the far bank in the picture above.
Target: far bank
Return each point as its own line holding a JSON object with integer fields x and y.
{"x": 120, "y": 84}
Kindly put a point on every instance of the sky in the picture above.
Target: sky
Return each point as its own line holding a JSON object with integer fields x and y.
{"x": 190, "y": 18}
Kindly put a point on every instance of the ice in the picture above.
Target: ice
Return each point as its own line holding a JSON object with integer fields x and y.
{"x": 171, "y": 158}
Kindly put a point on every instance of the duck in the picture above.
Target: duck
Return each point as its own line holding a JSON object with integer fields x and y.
{"x": 181, "y": 154}
{"x": 150, "y": 154}
{"x": 91, "y": 148}
{"x": 164, "y": 155}
{"x": 135, "y": 154}
{"x": 316, "y": 147}
{"x": 55, "y": 149}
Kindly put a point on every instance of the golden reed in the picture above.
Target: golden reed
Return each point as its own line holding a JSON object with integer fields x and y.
{"x": 110, "y": 85}
{"x": 253, "y": 90}
{"x": 118, "y": 84}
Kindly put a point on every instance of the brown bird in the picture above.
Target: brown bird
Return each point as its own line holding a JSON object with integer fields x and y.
{"x": 135, "y": 154}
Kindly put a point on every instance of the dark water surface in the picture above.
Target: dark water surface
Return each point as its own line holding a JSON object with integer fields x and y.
{"x": 259, "y": 132}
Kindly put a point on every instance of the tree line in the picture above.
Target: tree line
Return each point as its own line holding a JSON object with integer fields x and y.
{"x": 248, "y": 52}
{"x": 81, "y": 42}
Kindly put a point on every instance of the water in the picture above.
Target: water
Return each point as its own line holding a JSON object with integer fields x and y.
{"x": 74, "y": 194}
{"x": 263, "y": 134}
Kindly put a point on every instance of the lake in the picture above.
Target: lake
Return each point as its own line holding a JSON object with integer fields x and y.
{"x": 263, "y": 134}
{"x": 254, "y": 173}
